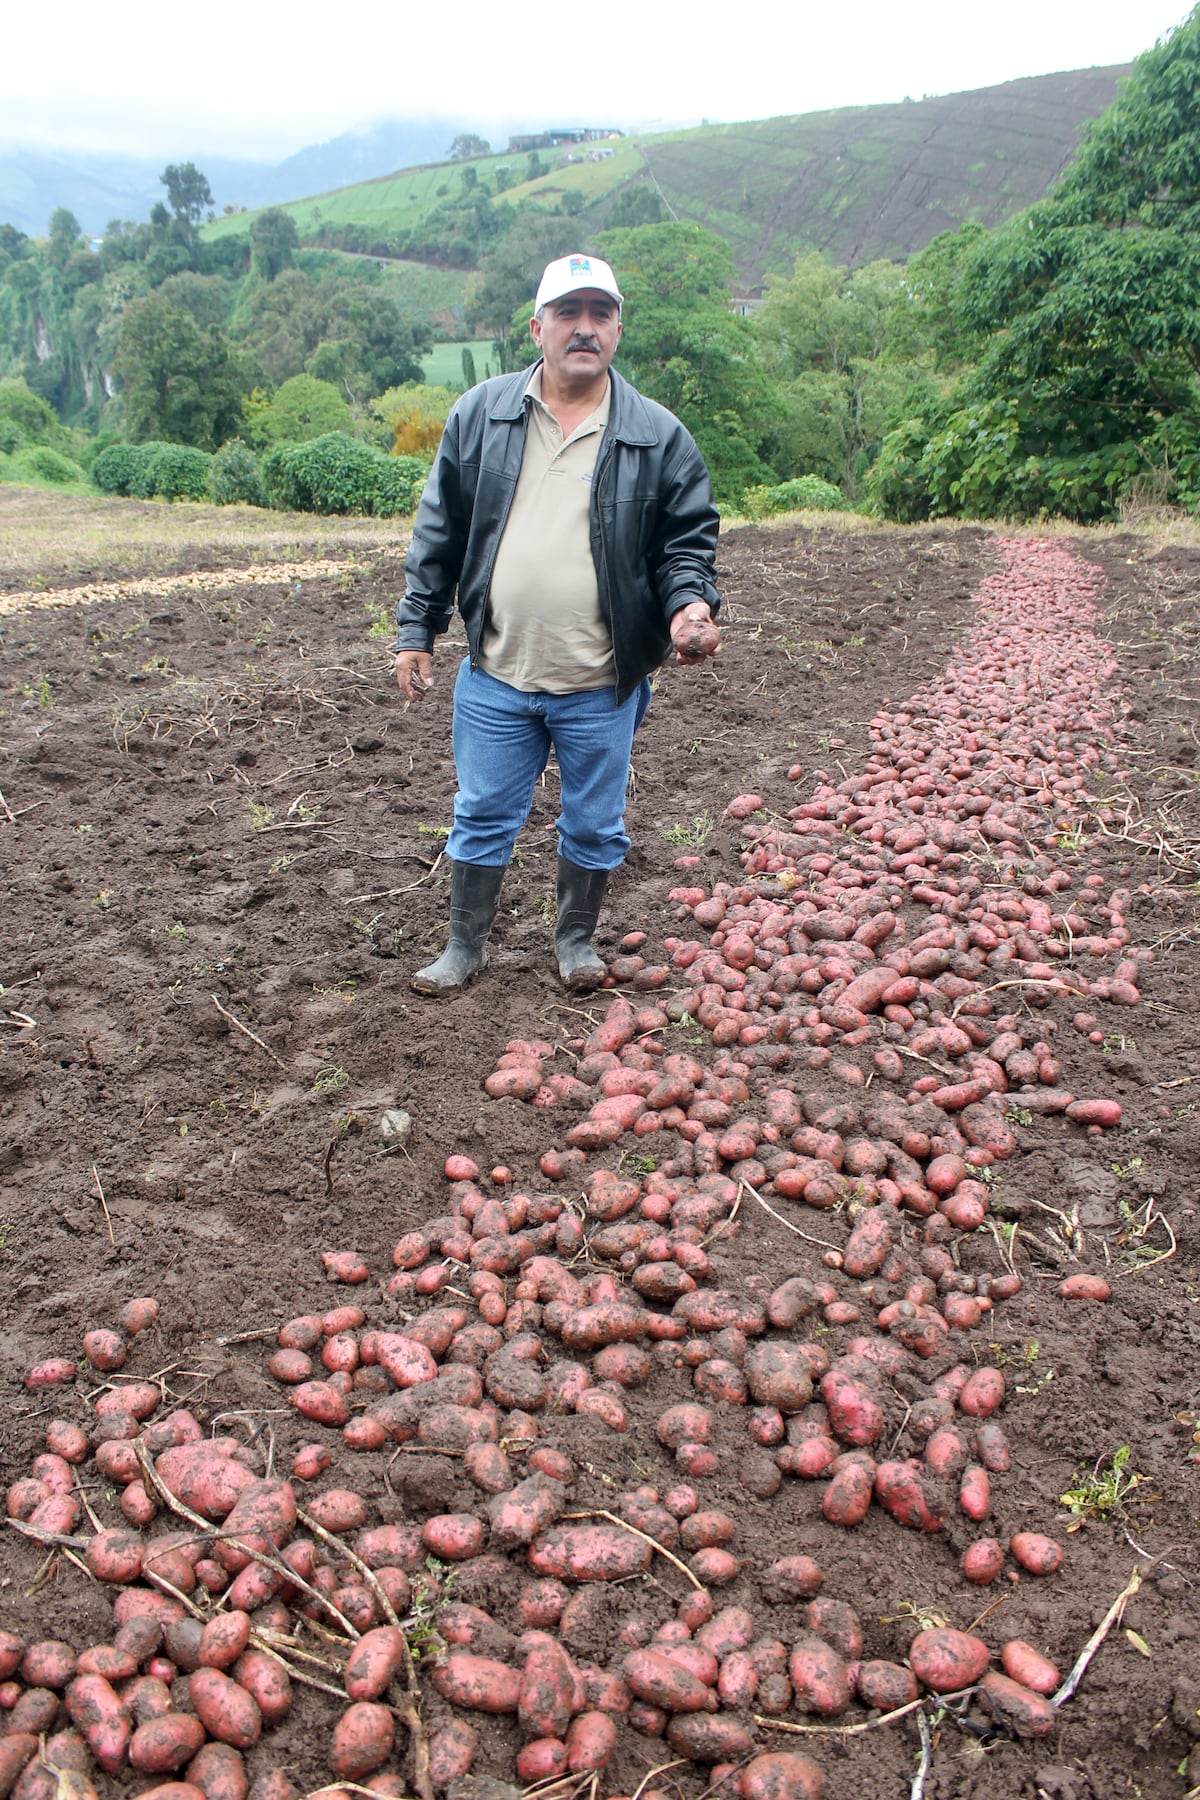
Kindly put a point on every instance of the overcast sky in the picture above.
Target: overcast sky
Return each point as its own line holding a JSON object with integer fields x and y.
{"x": 245, "y": 79}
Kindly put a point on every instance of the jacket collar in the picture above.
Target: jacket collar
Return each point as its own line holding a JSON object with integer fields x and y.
{"x": 629, "y": 419}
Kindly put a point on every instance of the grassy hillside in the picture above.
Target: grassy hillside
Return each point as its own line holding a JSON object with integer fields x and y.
{"x": 878, "y": 181}
{"x": 857, "y": 183}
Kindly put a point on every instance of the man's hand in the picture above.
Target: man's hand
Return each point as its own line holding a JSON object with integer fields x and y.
{"x": 414, "y": 673}
{"x": 693, "y": 633}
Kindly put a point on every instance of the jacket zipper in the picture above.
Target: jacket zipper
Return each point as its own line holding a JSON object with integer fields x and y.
{"x": 597, "y": 487}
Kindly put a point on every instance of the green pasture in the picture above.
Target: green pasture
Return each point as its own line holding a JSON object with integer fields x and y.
{"x": 443, "y": 366}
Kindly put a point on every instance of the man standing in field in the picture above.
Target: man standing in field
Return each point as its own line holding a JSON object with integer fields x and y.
{"x": 575, "y": 518}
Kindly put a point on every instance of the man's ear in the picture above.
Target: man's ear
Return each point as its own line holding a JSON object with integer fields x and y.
{"x": 535, "y": 329}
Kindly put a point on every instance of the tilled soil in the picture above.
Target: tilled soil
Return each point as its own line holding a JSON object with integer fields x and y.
{"x": 223, "y": 836}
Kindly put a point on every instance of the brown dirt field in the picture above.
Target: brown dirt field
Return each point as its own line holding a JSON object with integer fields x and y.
{"x": 221, "y": 831}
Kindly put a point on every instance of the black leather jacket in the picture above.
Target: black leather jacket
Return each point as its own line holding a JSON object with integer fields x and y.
{"x": 653, "y": 522}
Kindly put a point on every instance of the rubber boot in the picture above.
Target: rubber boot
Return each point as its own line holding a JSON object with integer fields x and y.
{"x": 580, "y": 893}
{"x": 474, "y": 897}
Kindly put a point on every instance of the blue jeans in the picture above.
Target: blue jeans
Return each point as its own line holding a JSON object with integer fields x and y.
{"x": 502, "y": 742}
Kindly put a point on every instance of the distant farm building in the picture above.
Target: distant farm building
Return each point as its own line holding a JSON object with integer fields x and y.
{"x": 561, "y": 136}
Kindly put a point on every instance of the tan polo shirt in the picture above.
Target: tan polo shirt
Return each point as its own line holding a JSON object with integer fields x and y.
{"x": 544, "y": 631}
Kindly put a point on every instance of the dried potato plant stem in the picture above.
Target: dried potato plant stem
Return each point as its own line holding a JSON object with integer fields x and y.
{"x": 787, "y": 1224}
{"x": 1112, "y": 1617}
{"x": 246, "y": 1032}
{"x": 633, "y": 1531}
{"x": 858, "y": 1730}
{"x": 268, "y": 1561}
{"x": 409, "y": 1710}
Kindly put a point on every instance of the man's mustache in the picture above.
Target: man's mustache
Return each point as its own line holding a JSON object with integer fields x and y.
{"x": 583, "y": 343}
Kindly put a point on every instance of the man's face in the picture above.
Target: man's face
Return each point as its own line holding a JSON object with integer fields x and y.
{"x": 578, "y": 336}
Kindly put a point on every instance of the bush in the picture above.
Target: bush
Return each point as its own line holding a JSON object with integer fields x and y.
{"x": 116, "y": 469}
{"x": 40, "y": 463}
{"x": 338, "y": 474}
{"x": 806, "y": 493}
{"x": 233, "y": 477}
{"x": 176, "y": 472}
{"x": 11, "y": 437}
{"x": 153, "y": 471}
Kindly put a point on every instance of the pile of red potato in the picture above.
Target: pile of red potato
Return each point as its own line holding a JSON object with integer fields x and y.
{"x": 874, "y": 990}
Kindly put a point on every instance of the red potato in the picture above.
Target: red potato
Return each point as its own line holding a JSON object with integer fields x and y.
{"x": 900, "y": 1490}
{"x": 55, "y": 1371}
{"x": 454, "y": 1537}
{"x": 1023, "y": 1711}
{"x": 1105, "y": 1113}
{"x": 480, "y": 1683}
{"x": 174, "y": 1790}
{"x": 104, "y": 1349}
{"x": 591, "y": 1741}
{"x": 35, "y": 1711}
{"x": 656, "y": 1678}
{"x": 321, "y": 1402}
{"x": 65, "y": 1439}
{"x": 855, "y": 1415}
{"x": 589, "y": 1553}
{"x": 204, "y": 1478}
{"x": 983, "y": 1561}
{"x": 947, "y": 1660}
{"x": 781, "y": 1775}
{"x": 982, "y": 1393}
{"x": 870, "y": 1242}
{"x": 545, "y": 1700}
{"x": 819, "y": 1678}
{"x": 115, "y": 1555}
{"x": 219, "y": 1772}
{"x": 991, "y": 1447}
{"x": 886, "y": 1685}
{"x": 1037, "y": 1554}
{"x": 838, "y": 1624}
{"x": 227, "y": 1711}
{"x": 338, "y": 1510}
{"x": 105, "y": 1659}
{"x": 139, "y": 1315}
{"x": 709, "y": 1737}
{"x": 1029, "y": 1667}
{"x": 362, "y": 1740}
{"x": 17, "y": 1751}
{"x": 374, "y": 1663}
{"x": 94, "y": 1707}
{"x": 223, "y": 1639}
{"x": 267, "y": 1682}
{"x": 1085, "y": 1287}
{"x": 847, "y": 1499}
{"x": 541, "y": 1760}
{"x": 50, "y": 1663}
{"x": 974, "y": 1493}
{"x": 164, "y": 1744}
{"x": 794, "y": 1577}
{"x": 12, "y": 1649}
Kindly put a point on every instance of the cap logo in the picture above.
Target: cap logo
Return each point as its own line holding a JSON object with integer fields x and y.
{"x": 580, "y": 265}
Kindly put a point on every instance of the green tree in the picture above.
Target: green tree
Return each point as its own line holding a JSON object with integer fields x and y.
{"x": 303, "y": 408}
{"x": 637, "y": 204}
{"x": 683, "y": 346}
{"x": 65, "y": 233}
{"x": 1084, "y": 308}
{"x": 178, "y": 382}
{"x": 188, "y": 192}
{"x": 826, "y": 335}
{"x": 274, "y": 241}
{"x": 467, "y": 144}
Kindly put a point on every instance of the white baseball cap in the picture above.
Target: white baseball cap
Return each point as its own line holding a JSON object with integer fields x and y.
{"x": 568, "y": 274}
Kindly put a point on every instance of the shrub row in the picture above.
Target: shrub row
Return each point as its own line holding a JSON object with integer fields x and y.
{"x": 330, "y": 474}
{"x": 338, "y": 474}
{"x": 806, "y": 493}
